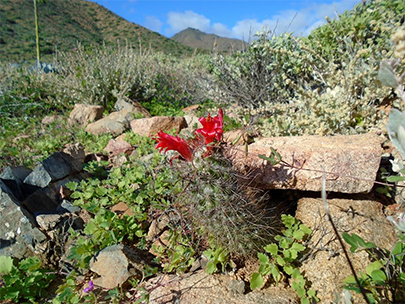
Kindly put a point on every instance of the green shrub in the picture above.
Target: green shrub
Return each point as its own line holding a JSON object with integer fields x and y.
{"x": 367, "y": 26}
{"x": 285, "y": 255}
{"x": 25, "y": 280}
{"x": 322, "y": 84}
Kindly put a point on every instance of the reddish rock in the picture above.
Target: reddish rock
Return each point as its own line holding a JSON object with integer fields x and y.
{"x": 115, "y": 264}
{"x": 236, "y": 137}
{"x": 122, "y": 209}
{"x": 191, "y": 109}
{"x": 151, "y": 126}
{"x": 350, "y": 162}
{"x": 116, "y": 147}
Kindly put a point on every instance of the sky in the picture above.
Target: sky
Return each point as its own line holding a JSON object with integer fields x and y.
{"x": 228, "y": 18}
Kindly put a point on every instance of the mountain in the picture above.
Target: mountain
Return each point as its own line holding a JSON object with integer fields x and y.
{"x": 196, "y": 39}
{"x": 63, "y": 23}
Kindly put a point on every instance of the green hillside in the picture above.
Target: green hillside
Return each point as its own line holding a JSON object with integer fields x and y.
{"x": 64, "y": 23}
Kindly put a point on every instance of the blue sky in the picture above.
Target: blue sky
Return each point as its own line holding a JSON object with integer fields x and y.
{"x": 228, "y": 18}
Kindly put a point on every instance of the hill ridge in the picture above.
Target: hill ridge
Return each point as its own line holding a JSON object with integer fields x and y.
{"x": 195, "y": 38}
{"x": 63, "y": 23}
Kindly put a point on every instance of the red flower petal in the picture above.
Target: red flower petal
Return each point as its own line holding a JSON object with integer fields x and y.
{"x": 167, "y": 142}
{"x": 212, "y": 127}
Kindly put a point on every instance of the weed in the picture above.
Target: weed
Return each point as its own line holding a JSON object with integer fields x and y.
{"x": 25, "y": 280}
{"x": 384, "y": 279}
{"x": 286, "y": 255}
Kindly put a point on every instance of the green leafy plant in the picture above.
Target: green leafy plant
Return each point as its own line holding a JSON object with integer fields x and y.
{"x": 178, "y": 254}
{"x": 384, "y": 279}
{"x": 25, "y": 280}
{"x": 105, "y": 229}
{"x": 136, "y": 185}
{"x": 285, "y": 256}
{"x": 216, "y": 256}
{"x": 74, "y": 291}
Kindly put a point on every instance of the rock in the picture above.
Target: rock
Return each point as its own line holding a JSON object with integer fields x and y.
{"x": 19, "y": 238}
{"x": 83, "y": 114}
{"x": 327, "y": 267}
{"x": 151, "y": 126}
{"x": 116, "y": 147}
{"x": 50, "y": 119}
{"x": 160, "y": 242}
{"x": 192, "y": 124}
{"x": 236, "y": 137}
{"x": 115, "y": 123}
{"x": 199, "y": 287}
{"x": 191, "y": 109}
{"x": 157, "y": 226}
{"x": 76, "y": 151}
{"x": 133, "y": 106}
{"x": 43, "y": 188}
{"x": 48, "y": 221}
{"x": 13, "y": 177}
{"x": 122, "y": 209}
{"x": 237, "y": 287}
{"x": 350, "y": 162}
{"x": 127, "y": 262}
{"x": 66, "y": 206}
{"x": 15, "y": 173}
{"x": 57, "y": 225}
{"x": 39, "y": 202}
{"x": 110, "y": 277}
{"x": 57, "y": 166}
{"x": 47, "y": 200}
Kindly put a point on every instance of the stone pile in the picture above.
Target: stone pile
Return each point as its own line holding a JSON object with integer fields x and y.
{"x": 32, "y": 205}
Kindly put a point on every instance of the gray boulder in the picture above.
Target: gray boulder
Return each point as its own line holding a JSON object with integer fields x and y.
{"x": 57, "y": 166}
{"x": 18, "y": 235}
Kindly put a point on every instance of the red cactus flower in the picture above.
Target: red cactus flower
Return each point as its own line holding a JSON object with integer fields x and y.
{"x": 166, "y": 142}
{"x": 212, "y": 128}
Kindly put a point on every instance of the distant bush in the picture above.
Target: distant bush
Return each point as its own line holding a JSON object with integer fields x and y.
{"x": 101, "y": 76}
{"x": 258, "y": 75}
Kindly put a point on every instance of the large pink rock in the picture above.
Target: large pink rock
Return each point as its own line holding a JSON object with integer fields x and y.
{"x": 350, "y": 162}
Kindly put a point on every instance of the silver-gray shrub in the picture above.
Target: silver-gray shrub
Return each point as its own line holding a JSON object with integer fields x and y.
{"x": 103, "y": 75}
{"x": 257, "y": 75}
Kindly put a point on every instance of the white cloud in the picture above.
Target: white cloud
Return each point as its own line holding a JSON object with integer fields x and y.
{"x": 153, "y": 23}
{"x": 221, "y": 30}
{"x": 300, "y": 22}
{"x": 180, "y": 21}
